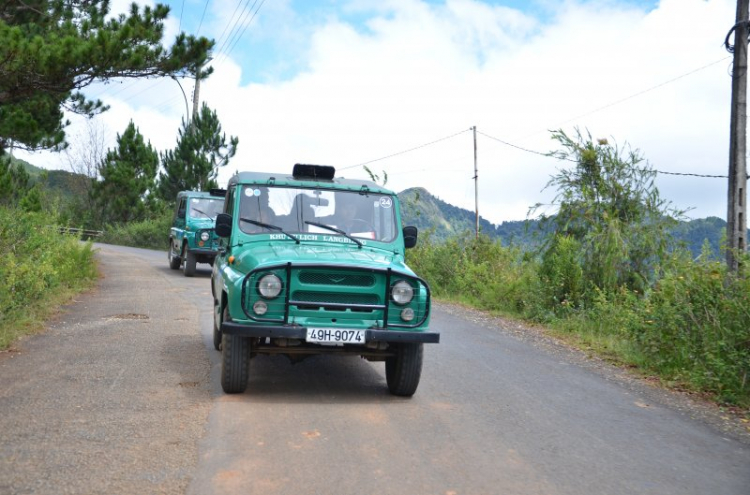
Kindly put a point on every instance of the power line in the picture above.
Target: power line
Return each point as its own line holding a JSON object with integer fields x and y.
{"x": 521, "y": 147}
{"x": 244, "y": 28}
{"x": 218, "y": 40}
{"x": 202, "y": 17}
{"x": 234, "y": 29}
{"x": 182, "y": 9}
{"x": 622, "y": 100}
{"x": 406, "y": 151}
{"x": 692, "y": 175}
{"x": 549, "y": 155}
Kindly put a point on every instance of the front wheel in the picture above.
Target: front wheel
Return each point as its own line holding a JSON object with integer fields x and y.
{"x": 217, "y": 335}
{"x": 190, "y": 261}
{"x": 174, "y": 261}
{"x": 403, "y": 371}
{"x": 235, "y": 362}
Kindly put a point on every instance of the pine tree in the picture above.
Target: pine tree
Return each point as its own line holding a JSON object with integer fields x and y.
{"x": 128, "y": 175}
{"x": 201, "y": 149}
{"x": 51, "y": 49}
{"x": 15, "y": 182}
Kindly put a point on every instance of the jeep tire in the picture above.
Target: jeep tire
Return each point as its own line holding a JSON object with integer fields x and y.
{"x": 403, "y": 371}
{"x": 217, "y": 334}
{"x": 189, "y": 268}
{"x": 174, "y": 261}
{"x": 235, "y": 361}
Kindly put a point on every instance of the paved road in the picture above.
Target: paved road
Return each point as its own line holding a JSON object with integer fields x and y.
{"x": 122, "y": 395}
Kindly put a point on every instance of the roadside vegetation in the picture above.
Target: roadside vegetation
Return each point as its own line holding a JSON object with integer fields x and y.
{"x": 41, "y": 269}
{"x": 50, "y": 53}
{"x": 150, "y": 233}
{"x": 609, "y": 278}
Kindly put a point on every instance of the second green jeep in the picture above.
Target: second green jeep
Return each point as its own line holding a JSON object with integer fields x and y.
{"x": 192, "y": 238}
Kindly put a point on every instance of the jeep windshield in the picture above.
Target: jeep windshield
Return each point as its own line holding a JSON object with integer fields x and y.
{"x": 297, "y": 210}
{"x": 205, "y": 207}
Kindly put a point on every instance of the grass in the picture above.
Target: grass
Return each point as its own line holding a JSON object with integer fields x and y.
{"x": 41, "y": 270}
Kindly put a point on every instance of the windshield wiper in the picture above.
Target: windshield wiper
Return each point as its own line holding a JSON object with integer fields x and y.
{"x": 271, "y": 227}
{"x": 201, "y": 212}
{"x": 334, "y": 229}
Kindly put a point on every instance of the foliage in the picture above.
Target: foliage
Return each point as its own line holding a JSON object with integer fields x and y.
{"x": 51, "y": 49}
{"x": 201, "y": 149}
{"x": 609, "y": 205}
{"x": 150, "y": 233}
{"x": 38, "y": 264}
{"x": 376, "y": 177}
{"x": 128, "y": 175}
{"x": 696, "y": 326}
{"x": 692, "y": 328}
{"x": 610, "y": 278}
{"x": 477, "y": 270}
{"x": 16, "y": 187}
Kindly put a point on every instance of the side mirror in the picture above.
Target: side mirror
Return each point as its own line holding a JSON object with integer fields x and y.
{"x": 410, "y": 237}
{"x": 223, "y": 226}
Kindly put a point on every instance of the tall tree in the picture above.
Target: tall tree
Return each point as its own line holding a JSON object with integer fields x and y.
{"x": 612, "y": 227}
{"x": 128, "y": 175}
{"x": 194, "y": 163}
{"x": 16, "y": 186}
{"x": 51, "y": 49}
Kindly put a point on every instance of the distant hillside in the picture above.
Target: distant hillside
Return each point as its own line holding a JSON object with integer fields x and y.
{"x": 59, "y": 183}
{"x": 425, "y": 211}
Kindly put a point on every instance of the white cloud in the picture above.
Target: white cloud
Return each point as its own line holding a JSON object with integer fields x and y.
{"x": 414, "y": 72}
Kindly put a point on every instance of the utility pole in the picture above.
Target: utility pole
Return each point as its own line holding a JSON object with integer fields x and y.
{"x": 196, "y": 93}
{"x": 476, "y": 183}
{"x": 737, "y": 194}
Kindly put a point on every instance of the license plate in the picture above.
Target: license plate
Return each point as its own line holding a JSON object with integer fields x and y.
{"x": 335, "y": 336}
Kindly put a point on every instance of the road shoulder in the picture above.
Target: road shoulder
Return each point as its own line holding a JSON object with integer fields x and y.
{"x": 112, "y": 397}
{"x": 727, "y": 421}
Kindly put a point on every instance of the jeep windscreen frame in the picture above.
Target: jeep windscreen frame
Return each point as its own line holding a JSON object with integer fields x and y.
{"x": 363, "y": 215}
{"x": 205, "y": 207}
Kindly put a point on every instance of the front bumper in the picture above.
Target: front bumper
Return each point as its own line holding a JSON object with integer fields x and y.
{"x": 298, "y": 332}
{"x": 211, "y": 253}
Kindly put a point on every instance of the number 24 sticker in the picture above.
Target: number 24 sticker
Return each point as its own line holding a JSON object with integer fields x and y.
{"x": 386, "y": 202}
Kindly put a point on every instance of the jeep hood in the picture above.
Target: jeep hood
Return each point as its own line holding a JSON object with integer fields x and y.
{"x": 196, "y": 223}
{"x": 307, "y": 253}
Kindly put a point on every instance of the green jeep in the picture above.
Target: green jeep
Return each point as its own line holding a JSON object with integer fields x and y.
{"x": 312, "y": 264}
{"x": 192, "y": 239}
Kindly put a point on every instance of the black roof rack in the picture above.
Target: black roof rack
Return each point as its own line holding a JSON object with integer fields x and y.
{"x": 318, "y": 172}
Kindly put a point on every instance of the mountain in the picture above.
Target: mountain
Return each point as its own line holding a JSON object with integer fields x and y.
{"x": 59, "y": 184}
{"x": 427, "y": 212}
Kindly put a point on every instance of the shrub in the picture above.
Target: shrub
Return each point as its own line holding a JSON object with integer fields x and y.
{"x": 150, "y": 234}
{"x": 38, "y": 263}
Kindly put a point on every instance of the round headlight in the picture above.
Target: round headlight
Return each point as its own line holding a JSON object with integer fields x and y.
{"x": 402, "y": 292}
{"x": 260, "y": 308}
{"x": 269, "y": 286}
{"x": 205, "y": 236}
{"x": 407, "y": 314}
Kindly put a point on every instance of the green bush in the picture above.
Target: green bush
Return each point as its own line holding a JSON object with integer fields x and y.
{"x": 38, "y": 263}
{"x": 152, "y": 233}
{"x": 478, "y": 271}
{"x": 691, "y": 326}
{"x": 696, "y": 327}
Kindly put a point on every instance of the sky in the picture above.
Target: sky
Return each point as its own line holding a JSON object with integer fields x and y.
{"x": 398, "y": 84}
